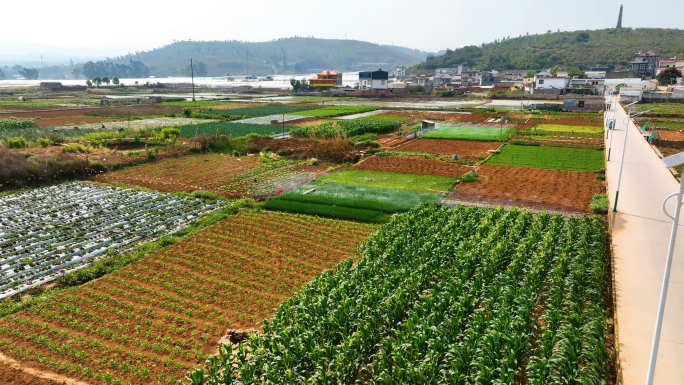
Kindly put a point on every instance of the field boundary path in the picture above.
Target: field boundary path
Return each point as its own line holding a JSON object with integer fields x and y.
{"x": 640, "y": 234}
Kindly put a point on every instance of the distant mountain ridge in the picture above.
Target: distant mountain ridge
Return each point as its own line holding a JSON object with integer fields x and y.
{"x": 578, "y": 49}
{"x": 288, "y": 55}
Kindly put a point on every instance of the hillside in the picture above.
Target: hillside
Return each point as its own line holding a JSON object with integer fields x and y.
{"x": 578, "y": 49}
{"x": 290, "y": 55}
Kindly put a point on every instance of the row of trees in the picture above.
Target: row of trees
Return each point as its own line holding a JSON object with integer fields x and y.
{"x": 135, "y": 69}
{"x": 97, "y": 81}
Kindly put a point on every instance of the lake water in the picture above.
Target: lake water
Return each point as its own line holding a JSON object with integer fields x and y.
{"x": 279, "y": 81}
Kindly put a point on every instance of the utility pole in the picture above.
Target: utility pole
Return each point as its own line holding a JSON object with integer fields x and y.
{"x": 192, "y": 76}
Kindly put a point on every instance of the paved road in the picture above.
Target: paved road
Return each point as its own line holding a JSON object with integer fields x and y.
{"x": 640, "y": 234}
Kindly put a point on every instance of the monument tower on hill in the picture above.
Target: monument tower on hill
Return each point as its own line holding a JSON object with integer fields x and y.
{"x": 619, "y": 24}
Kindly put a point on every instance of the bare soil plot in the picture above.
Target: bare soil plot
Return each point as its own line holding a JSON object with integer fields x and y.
{"x": 465, "y": 149}
{"x": 152, "y": 321}
{"x": 413, "y": 165}
{"x": 671, "y": 135}
{"x": 527, "y": 187}
{"x": 68, "y": 120}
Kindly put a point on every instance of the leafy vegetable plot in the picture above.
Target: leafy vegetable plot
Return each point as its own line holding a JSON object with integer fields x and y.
{"x": 442, "y": 295}
{"x": 470, "y": 133}
{"x": 48, "y": 232}
{"x": 554, "y": 158}
{"x": 229, "y": 128}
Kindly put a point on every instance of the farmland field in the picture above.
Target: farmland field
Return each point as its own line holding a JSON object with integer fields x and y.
{"x": 232, "y": 177}
{"x": 260, "y": 110}
{"x": 565, "y": 128}
{"x": 460, "y": 295}
{"x": 534, "y": 188}
{"x": 47, "y": 232}
{"x": 386, "y": 118}
{"x": 347, "y": 128}
{"x": 187, "y": 173}
{"x": 152, "y": 321}
{"x": 390, "y": 180}
{"x": 328, "y": 112}
{"x": 412, "y": 165}
{"x": 232, "y": 129}
{"x": 465, "y": 149}
{"x": 332, "y": 200}
{"x": 556, "y": 158}
{"x": 469, "y": 133}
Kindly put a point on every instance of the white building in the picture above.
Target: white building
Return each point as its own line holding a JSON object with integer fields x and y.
{"x": 631, "y": 94}
{"x": 596, "y": 84}
{"x": 670, "y": 63}
{"x": 546, "y": 81}
{"x": 596, "y": 74}
{"x": 376, "y": 80}
{"x": 401, "y": 72}
{"x": 562, "y": 74}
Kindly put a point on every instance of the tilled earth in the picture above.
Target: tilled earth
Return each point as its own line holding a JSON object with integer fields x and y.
{"x": 465, "y": 149}
{"x": 528, "y": 187}
{"x": 413, "y": 165}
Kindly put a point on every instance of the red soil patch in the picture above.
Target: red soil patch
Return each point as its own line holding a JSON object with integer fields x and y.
{"x": 413, "y": 165}
{"x": 10, "y": 375}
{"x": 166, "y": 311}
{"x": 67, "y": 121}
{"x": 184, "y": 173}
{"x": 530, "y": 187}
{"x": 466, "y": 149}
{"x": 670, "y": 135}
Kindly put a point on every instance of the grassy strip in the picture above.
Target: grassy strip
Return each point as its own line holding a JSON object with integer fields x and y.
{"x": 599, "y": 204}
{"x": 332, "y": 111}
{"x": 554, "y": 158}
{"x": 391, "y": 180}
{"x": 328, "y": 211}
{"x": 470, "y": 133}
{"x": 260, "y": 111}
{"x": 357, "y": 202}
{"x": 115, "y": 262}
{"x": 568, "y": 128}
{"x": 400, "y": 153}
{"x": 233, "y": 129}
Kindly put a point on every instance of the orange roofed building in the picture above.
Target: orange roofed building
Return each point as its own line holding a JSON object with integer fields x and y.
{"x": 326, "y": 79}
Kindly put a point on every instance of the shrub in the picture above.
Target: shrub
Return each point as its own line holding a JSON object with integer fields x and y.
{"x": 18, "y": 142}
{"x": 601, "y": 177}
{"x": 77, "y": 148}
{"x": 12, "y": 123}
{"x": 43, "y": 142}
{"x": 524, "y": 143}
{"x": 599, "y": 204}
{"x": 469, "y": 177}
{"x": 187, "y": 112}
{"x": 445, "y": 94}
{"x": 97, "y": 166}
{"x": 236, "y": 153}
{"x": 170, "y": 133}
{"x": 151, "y": 153}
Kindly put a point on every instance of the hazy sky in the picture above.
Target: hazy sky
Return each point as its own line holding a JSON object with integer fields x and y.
{"x": 118, "y": 27}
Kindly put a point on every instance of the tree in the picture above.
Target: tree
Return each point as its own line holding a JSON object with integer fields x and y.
{"x": 554, "y": 71}
{"x": 617, "y": 87}
{"x": 669, "y": 76}
{"x": 529, "y": 73}
{"x": 198, "y": 67}
{"x": 2, "y": 75}
{"x": 105, "y": 80}
{"x": 115, "y": 81}
{"x": 89, "y": 84}
{"x": 97, "y": 81}
{"x": 17, "y": 67}
{"x": 77, "y": 72}
{"x": 297, "y": 85}
{"x": 577, "y": 72}
{"x": 29, "y": 73}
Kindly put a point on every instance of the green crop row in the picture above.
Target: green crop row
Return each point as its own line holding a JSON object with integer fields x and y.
{"x": 230, "y": 128}
{"x": 442, "y": 295}
{"x": 332, "y": 111}
{"x": 345, "y": 128}
{"x": 555, "y": 158}
{"x": 259, "y": 111}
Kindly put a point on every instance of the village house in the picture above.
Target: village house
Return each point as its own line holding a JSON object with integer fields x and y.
{"x": 375, "y": 80}
{"x": 644, "y": 65}
{"x": 326, "y": 80}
